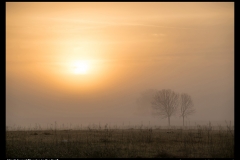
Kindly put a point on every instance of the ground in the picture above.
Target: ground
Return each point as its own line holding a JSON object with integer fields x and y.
{"x": 120, "y": 143}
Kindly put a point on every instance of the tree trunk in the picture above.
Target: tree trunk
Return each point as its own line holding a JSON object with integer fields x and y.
{"x": 183, "y": 121}
{"x": 169, "y": 121}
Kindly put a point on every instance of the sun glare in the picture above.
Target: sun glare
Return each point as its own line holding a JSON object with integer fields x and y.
{"x": 80, "y": 67}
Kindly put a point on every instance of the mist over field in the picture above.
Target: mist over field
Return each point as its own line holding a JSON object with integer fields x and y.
{"x": 91, "y": 63}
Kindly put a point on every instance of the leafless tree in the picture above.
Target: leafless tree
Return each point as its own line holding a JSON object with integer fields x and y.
{"x": 165, "y": 102}
{"x": 144, "y": 101}
{"x": 186, "y": 106}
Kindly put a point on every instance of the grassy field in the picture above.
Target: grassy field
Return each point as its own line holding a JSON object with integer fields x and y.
{"x": 121, "y": 143}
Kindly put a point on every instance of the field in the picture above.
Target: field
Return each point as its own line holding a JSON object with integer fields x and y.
{"x": 200, "y": 142}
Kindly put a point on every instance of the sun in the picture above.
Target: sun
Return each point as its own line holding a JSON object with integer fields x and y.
{"x": 80, "y": 67}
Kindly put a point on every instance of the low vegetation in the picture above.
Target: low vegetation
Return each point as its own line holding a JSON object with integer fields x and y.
{"x": 200, "y": 142}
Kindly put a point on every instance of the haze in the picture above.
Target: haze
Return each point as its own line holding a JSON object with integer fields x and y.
{"x": 130, "y": 48}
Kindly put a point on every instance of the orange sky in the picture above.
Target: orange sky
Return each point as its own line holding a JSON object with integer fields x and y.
{"x": 129, "y": 48}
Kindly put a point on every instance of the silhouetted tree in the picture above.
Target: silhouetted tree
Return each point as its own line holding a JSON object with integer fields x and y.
{"x": 144, "y": 100}
{"x": 166, "y": 102}
{"x": 186, "y": 106}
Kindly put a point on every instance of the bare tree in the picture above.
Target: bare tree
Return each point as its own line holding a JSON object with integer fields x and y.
{"x": 166, "y": 102}
{"x": 186, "y": 106}
{"x": 144, "y": 101}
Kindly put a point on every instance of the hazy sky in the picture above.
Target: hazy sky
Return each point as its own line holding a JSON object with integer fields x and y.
{"x": 84, "y": 63}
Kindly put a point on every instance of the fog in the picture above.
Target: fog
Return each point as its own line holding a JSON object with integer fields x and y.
{"x": 131, "y": 49}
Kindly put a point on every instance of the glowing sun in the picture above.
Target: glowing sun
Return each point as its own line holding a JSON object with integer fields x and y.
{"x": 80, "y": 67}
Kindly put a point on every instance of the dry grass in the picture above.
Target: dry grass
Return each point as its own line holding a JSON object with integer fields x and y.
{"x": 116, "y": 143}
